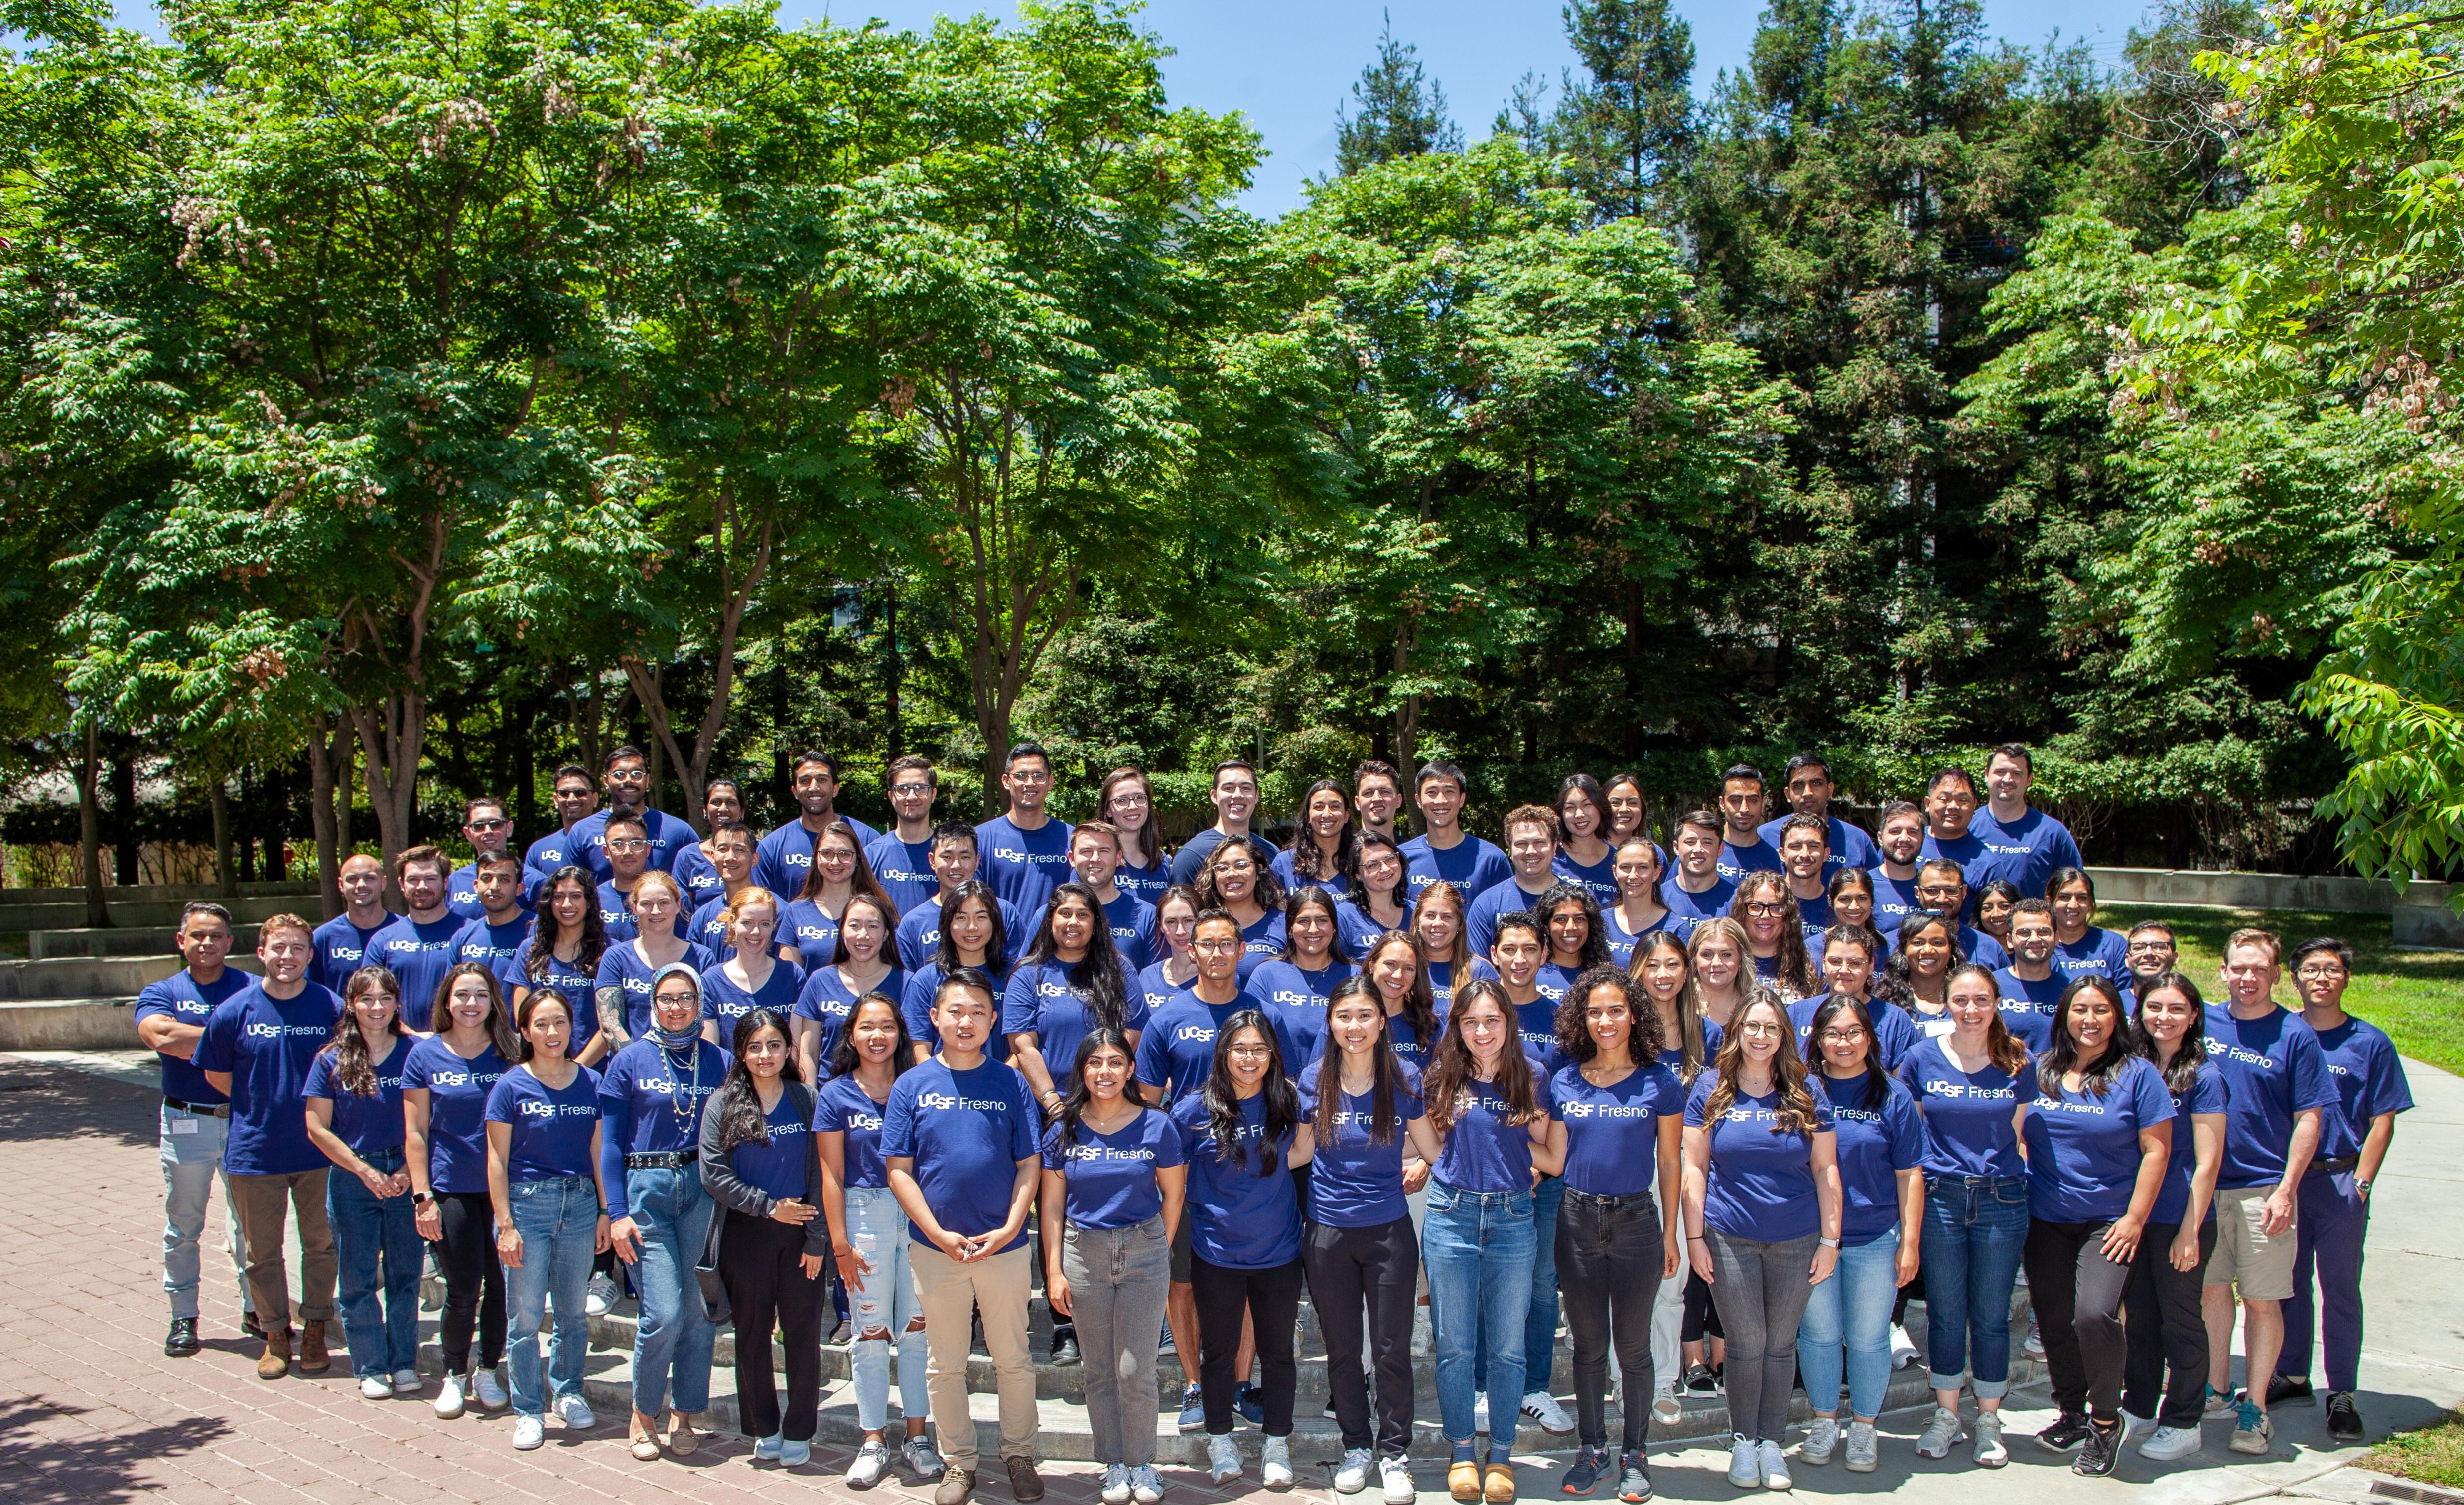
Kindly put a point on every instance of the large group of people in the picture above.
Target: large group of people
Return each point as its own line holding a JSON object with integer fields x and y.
{"x": 1724, "y": 1107}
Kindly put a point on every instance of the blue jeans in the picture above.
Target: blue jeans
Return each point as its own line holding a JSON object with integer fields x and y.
{"x": 378, "y": 1246}
{"x": 2328, "y": 1247}
{"x": 555, "y": 1219}
{"x": 1540, "y": 1320}
{"x": 672, "y": 1346}
{"x": 1849, "y": 1314}
{"x": 1975, "y": 1229}
{"x": 877, "y": 1230}
{"x": 1478, "y": 1248}
{"x": 192, "y": 1161}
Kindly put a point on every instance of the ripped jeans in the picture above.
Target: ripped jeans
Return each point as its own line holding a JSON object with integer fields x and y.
{"x": 885, "y": 1305}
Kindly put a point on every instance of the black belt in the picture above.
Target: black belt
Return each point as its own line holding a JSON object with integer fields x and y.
{"x": 2340, "y": 1162}
{"x": 1610, "y": 1200}
{"x": 662, "y": 1160}
{"x": 203, "y": 1110}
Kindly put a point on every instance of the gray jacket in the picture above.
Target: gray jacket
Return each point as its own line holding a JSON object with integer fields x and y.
{"x": 734, "y": 1192}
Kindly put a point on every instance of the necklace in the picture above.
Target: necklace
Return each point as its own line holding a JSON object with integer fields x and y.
{"x": 683, "y": 1105}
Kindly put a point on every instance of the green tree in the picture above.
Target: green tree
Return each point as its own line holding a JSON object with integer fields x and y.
{"x": 1627, "y": 125}
{"x": 1401, "y": 111}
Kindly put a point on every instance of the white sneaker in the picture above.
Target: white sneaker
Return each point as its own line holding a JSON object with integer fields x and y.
{"x": 375, "y": 1387}
{"x": 1146, "y": 1485}
{"x": 449, "y": 1397}
{"x": 795, "y": 1454}
{"x": 872, "y": 1461}
{"x": 576, "y": 1415}
{"x": 407, "y": 1381}
{"x": 529, "y": 1431}
{"x": 921, "y": 1458}
{"x": 1275, "y": 1466}
{"x": 1543, "y": 1408}
{"x": 1939, "y": 1434}
{"x": 2133, "y": 1425}
{"x": 2166, "y": 1444}
{"x": 1863, "y": 1451}
{"x": 1116, "y": 1482}
{"x": 1222, "y": 1459}
{"x": 1394, "y": 1477}
{"x": 1351, "y": 1474}
{"x": 599, "y": 1297}
{"x": 1480, "y": 1414}
{"x": 1665, "y": 1408}
{"x": 2034, "y": 1344}
{"x": 766, "y": 1449}
{"x": 1989, "y": 1453}
{"x": 1775, "y": 1474}
{"x": 1904, "y": 1348}
{"x": 1821, "y": 1440}
{"x": 1745, "y": 1462}
{"x": 491, "y": 1391}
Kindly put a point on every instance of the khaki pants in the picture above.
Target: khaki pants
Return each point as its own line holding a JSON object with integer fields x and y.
{"x": 950, "y": 1294}
{"x": 260, "y": 1201}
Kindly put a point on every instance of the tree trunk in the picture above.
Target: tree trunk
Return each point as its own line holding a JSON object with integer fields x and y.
{"x": 226, "y": 875}
{"x": 782, "y": 791}
{"x": 1407, "y": 709}
{"x": 97, "y": 913}
{"x": 346, "y": 795}
{"x": 524, "y": 775}
{"x": 324, "y": 746}
{"x": 123, "y": 820}
{"x": 390, "y": 733}
{"x": 894, "y": 674}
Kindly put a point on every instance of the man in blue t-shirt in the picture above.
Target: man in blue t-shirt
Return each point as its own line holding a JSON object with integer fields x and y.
{"x": 1950, "y": 816}
{"x": 1095, "y": 857}
{"x": 1941, "y": 890}
{"x": 577, "y": 800}
{"x": 1804, "y": 845}
{"x": 1233, "y": 791}
{"x": 1894, "y": 870}
{"x": 2029, "y": 983}
{"x": 784, "y": 858}
{"x": 341, "y": 942}
{"x": 171, "y": 1017}
{"x": 901, "y": 858}
{"x": 1531, "y": 833}
{"x": 2023, "y": 844}
{"x": 488, "y": 826}
{"x": 1742, "y": 847}
{"x": 497, "y": 933}
{"x": 418, "y": 947}
{"x": 1807, "y": 784}
{"x": 1026, "y": 852}
{"x": 626, "y": 778}
{"x": 1444, "y": 852}
{"x": 1695, "y": 891}
{"x": 256, "y": 1049}
{"x": 959, "y": 1140}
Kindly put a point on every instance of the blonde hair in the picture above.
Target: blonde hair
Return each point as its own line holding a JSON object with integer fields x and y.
{"x": 734, "y": 913}
{"x": 674, "y": 890}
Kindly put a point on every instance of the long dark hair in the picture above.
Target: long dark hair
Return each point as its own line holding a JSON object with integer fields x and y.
{"x": 1386, "y": 1073}
{"x": 1303, "y": 897}
{"x": 2062, "y": 1056}
{"x": 546, "y": 932}
{"x": 352, "y": 1068}
{"x": 845, "y": 1062}
{"x": 995, "y": 946}
{"x": 741, "y": 1120}
{"x": 1831, "y": 1008}
{"x": 1401, "y": 897}
{"x": 1074, "y": 1102}
{"x": 1097, "y": 976}
{"x": 859, "y": 881}
{"x": 1895, "y": 979}
{"x": 1589, "y": 788}
{"x": 1796, "y": 1112}
{"x": 532, "y": 1003}
{"x": 1595, "y": 939}
{"x": 1644, "y": 1041}
{"x": 1419, "y": 1004}
{"x": 1267, "y": 895}
{"x": 1452, "y": 1068}
{"x": 1305, "y": 855}
{"x": 2193, "y": 1052}
{"x": 1223, "y": 1099}
{"x": 500, "y": 1030}
{"x": 1795, "y": 966}
{"x": 1689, "y": 1009}
{"x": 882, "y": 907}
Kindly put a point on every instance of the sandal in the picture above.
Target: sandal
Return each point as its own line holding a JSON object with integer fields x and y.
{"x": 682, "y": 1440}
{"x": 645, "y": 1438}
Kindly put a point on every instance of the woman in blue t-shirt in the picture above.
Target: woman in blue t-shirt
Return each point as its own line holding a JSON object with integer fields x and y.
{"x": 1070, "y": 982}
{"x": 550, "y": 1212}
{"x": 1847, "y": 1322}
{"x": 1971, "y": 1081}
{"x": 1114, "y": 1179}
{"x": 1239, "y": 1135}
{"x": 866, "y": 962}
{"x": 1395, "y": 979}
{"x": 838, "y": 872}
{"x": 1126, "y": 800}
{"x": 355, "y": 1116}
{"x": 1637, "y": 912}
{"x": 1774, "y": 933}
{"x": 760, "y": 1163}
{"x": 1762, "y": 1218}
{"x": 2165, "y": 1333}
{"x": 1488, "y": 1102}
{"x": 445, "y": 1088}
{"x": 623, "y": 987}
{"x": 1616, "y": 1120}
{"x": 1360, "y": 1115}
{"x": 2098, "y": 1133}
{"x": 1443, "y": 941}
{"x": 651, "y": 1100}
{"x": 869, "y": 1233}
{"x": 1233, "y": 880}
{"x": 1851, "y": 896}
{"x": 753, "y": 977}
{"x": 1175, "y": 930}
{"x": 973, "y": 935}
{"x": 567, "y": 939}
{"x": 1295, "y": 983}
{"x": 1381, "y": 895}
{"x": 1682, "y": 1321}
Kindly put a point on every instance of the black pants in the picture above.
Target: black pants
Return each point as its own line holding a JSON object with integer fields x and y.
{"x": 475, "y": 1282}
{"x": 768, "y": 1287}
{"x": 2078, "y": 1293}
{"x": 1272, "y": 1298}
{"x": 1376, "y": 1270}
{"x": 1610, "y": 1250}
{"x": 2166, "y": 1337}
{"x": 1702, "y": 1318}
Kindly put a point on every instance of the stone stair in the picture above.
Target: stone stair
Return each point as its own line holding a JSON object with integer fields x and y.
{"x": 79, "y": 1003}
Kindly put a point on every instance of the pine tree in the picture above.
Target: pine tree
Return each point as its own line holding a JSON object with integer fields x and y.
{"x": 1402, "y": 112}
{"x": 1628, "y": 126}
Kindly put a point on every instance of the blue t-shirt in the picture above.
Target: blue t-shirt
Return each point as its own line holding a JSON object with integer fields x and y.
{"x": 650, "y": 1103}
{"x": 2098, "y": 953}
{"x": 1441, "y": 987}
{"x": 783, "y": 859}
{"x": 1850, "y": 846}
{"x": 2027, "y": 850}
{"x": 1599, "y": 877}
{"x": 828, "y": 1000}
{"x": 1240, "y": 1215}
{"x": 489, "y": 945}
{"x": 708, "y": 929}
{"x": 811, "y": 930}
{"x": 1356, "y": 1183}
{"x": 457, "y": 1111}
{"x": 844, "y": 1107}
{"x": 616, "y": 916}
{"x": 1622, "y": 943}
{"x": 1483, "y": 1152}
{"x": 723, "y": 1000}
{"x": 1976, "y": 945}
{"x": 1969, "y": 1127}
{"x": 1734, "y": 862}
{"x": 1158, "y": 990}
{"x": 1880, "y": 1135}
{"x": 1109, "y": 1179}
{"x": 268, "y": 1046}
{"x": 1023, "y": 866}
{"x": 577, "y": 987}
{"x": 2273, "y": 1073}
{"x": 1613, "y": 1132}
{"x": 623, "y": 967}
{"x": 1295, "y": 997}
{"x": 1148, "y": 883}
{"x": 2084, "y": 1149}
{"x": 919, "y": 934}
{"x": 462, "y": 891}
{"x": 2368, "y": 1077}
{"x": 552, "y": 1126}
{"x": 1761, "y": 1186}
{"x": 1131, "y": 920}
{"x": 420, "y": 956}
{"x": 904, "y": 870}
{"x": 341, "y": 948}
{"x": 695, "y": 875}
{"x": 1895, "y": 900}
{"x": 915, "y": 1003}
{"x": 1481, "y": 914}
{"x": 2205, "y": 1094}
{"x": 1895, "y": 1033}
{"x": 778, "y": 1164}
{"x": 586, "y": 844}
{"x": 967, "y": 1131}
{"x": 549, "y": 854}
{"x": 1356, "y": 930}
{"x": 1692, "y": 909}
{"x": 1176, "y": 1052}
{"x": 1193, "y": 853}
{"x": 1473, "y": 866}
{"x": 186, "y": 1001}
{"x": 1040, "y": 1000}
{"x": 1261, "y": 944}
{"x": 366, "y": 1122}
{"x": 2043, "y": 1000}
{"x": 1974, "y": 858}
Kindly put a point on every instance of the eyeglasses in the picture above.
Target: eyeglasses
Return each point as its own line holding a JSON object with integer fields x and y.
{"x": 1241, "y": 866}
{"x": 1215, "y": 947}
{"x": 910, "y": 789}
{"x": 1848, "y": 1036}
{"x": 628, "y": 843}
{"x": 674, "y": 998}
{"x": 1762, "y": 909}
{"x": 629, "y": 776}
{"x": 1032, "y": 779}
{"x": 1131, "y": 802}
{"x": 1758, "y": 1028}
{"x": 1251, "y": 1052}
{"x": 2320, "y": 974}
{"x": 486, "y": 824}
{"x": 2147, "y": 947}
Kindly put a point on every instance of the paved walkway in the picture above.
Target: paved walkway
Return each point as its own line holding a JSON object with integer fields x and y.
{"x": 90, "y": 1412}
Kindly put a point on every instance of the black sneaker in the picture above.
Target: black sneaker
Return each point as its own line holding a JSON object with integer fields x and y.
{"x": 2344, "y": 1417}
{"x": 2283, "y": 1387}
{"x": 248, "y": 1324}
{"x": 1251, "y": 1402}
{"x": 1633, "y": 1480}
{"x": 1583, "y": 1475}
{"x": 183, "y": 1343}
{"x": 1698, "y": 1380}
{"x": 2101, "y": 1450}
{"x": 2069, "y": 1430}
{"x": 1065, "y": 1348}
{"x": 842, "y": 1334}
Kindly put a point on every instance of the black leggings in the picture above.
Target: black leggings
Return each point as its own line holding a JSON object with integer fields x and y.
{"x": 1701, "y": 1318}
{"x": 1376, "y": 1270}
{"x": 475, "y": 1282}
{"x": 2167, "y": 1337}
{"x": 1610, "y": 1251}
{"x": 2078, "y": 1293}
{"x": 1272, "y": 1298}
{"x": 757, "y": 1258}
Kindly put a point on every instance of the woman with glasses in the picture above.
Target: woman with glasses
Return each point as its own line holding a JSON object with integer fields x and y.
{"x": 1232, "y": 879}
{"x": 1126, "y": 800}
{"x": 1381, "y": 895}
{"x": 1774, "y": 936}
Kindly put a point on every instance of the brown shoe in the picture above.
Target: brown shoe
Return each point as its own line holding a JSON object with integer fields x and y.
{"x": 957, "y": 1485}
{"x": 276, "y": 1362}
{"x": 312, "y": 1356}
{"x": 1500, "y": 1487}
{"x": 682, "y": 1440}
{"x": 1463, "y": 1481}
{"x": 1024, "y": 1483}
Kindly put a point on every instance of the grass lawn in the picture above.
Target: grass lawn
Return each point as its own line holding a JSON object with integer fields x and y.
{"x": 2433, "y": 1455}
{"x": 2417, "y": 997}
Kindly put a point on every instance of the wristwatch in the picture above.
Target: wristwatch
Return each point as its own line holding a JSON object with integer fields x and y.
{"x": 421, "y": 1199}
{"x": 1830, "y": 1243}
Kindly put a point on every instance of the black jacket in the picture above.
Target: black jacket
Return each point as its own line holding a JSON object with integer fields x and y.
{"x": 734, "y": 1193}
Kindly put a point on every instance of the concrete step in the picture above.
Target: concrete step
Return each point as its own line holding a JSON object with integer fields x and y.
{"x": 69, "y": 1023}
{"x": 130, "y": 942}
{"x": 150, "y": 914}
{"x": 92, "y": 976}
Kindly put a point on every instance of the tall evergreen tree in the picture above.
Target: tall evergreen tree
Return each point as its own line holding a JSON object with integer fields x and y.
{"x": 1402, "y": 111}
{"x": 1627, "y": 125}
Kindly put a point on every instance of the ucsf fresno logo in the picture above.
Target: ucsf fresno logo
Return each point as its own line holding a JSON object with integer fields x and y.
{"x": 1607, "y": 1110}
{"x": 257, "y": 1030}
{"x": 954, "y": 1100}
{"x": 533, "y": 1108}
